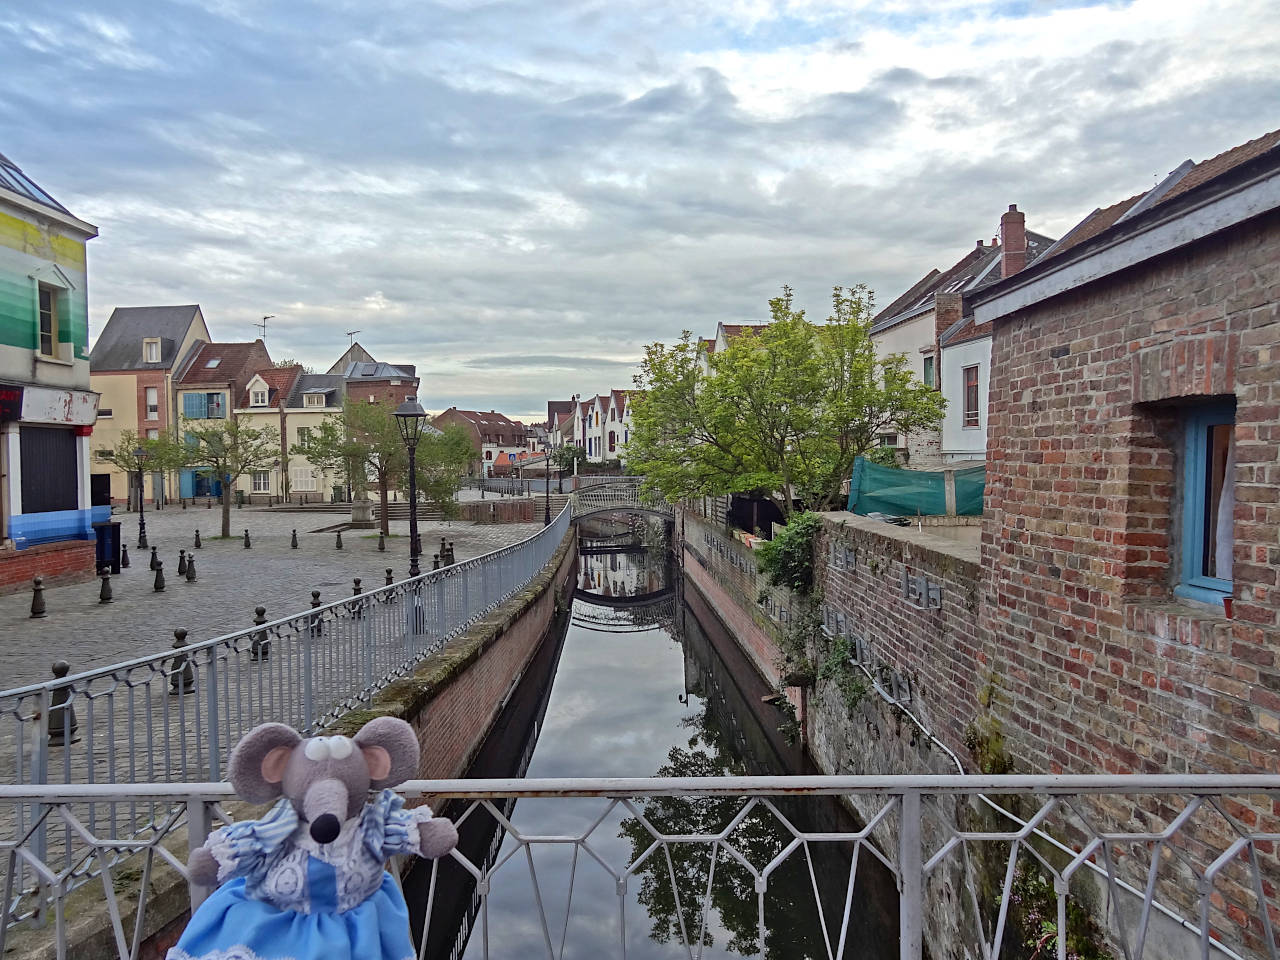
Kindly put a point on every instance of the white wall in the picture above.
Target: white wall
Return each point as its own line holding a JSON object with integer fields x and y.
{"x": 958, "y": 441}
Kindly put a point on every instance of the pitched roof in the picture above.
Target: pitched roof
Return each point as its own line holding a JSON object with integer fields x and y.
{"x": 119, "y": 345}
{"x": 556, "y": 408}
{"x": 377, "y": 370}
{"x": 326, "y": 383}
{"x": 620, "y": 401}
{"x": 707, "y": 343}
{"x": 223, "y": 362}
{"x": 353, "y": 353}
{"x": 732, "y": 330}
{"x": 1185, "y": 178}
{"x": 279, "y": 381}
{"x": 11, "y": 178}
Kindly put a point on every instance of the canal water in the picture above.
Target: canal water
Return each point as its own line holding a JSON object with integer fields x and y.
{"x": 640, "y": 683}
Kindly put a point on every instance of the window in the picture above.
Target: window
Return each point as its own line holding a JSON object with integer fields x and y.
{"x": 313, "y": 400}
{"x": 971, "y": 396}
{"x": 261, "y": 481}
{"x": 153, "y": 403}
{"x": 213, "y": 401}
{"x": 303, "y": 479}
{"x": 304, "y": 435}
{"x": 150, "y": 351}
{"x": 928, "y": 372}
{"x": 612, "y": 441}
{"x": 409, "y": 397}
{"x": 210, "y": 364}
{"x": 888, "y": 439}
{"x": 1208, "y": 503}
{"x": 488, "y": 454}
{"x": 104, "y": 413}
{"x": 153, "y": 433}
{"x": 202, "y": 406}
{"x": 258, "y": 398}
{"x": 48, "y": 321}
{"x": 612, "y": 413}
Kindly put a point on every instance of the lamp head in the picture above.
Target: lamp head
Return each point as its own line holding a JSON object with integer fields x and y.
{"x": 410, "y": 418}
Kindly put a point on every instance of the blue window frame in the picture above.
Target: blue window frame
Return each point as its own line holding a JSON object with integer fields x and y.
{"x": 1207, "y": 488}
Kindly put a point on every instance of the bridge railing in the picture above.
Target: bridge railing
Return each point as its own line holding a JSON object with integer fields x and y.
{"x": 172, "y": 716}
{"x": 752, "y": 860}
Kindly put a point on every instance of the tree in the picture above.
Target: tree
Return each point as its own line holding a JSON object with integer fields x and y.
{"x": 225, "y": 450}
{"x": 290, "y": 362}
{"x": 784, "y": 410}
{"x": 159, "y": 456}
{"x": 566, "y": 460}
{"x": 441, "y": 460}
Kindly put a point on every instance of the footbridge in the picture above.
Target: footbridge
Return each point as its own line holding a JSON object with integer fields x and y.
{"x": 596, "y": 496}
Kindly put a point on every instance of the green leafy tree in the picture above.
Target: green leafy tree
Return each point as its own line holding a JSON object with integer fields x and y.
{"x": 441, "y": 460}
{"x": 566, "y": 459}
{"x": 223, "y": 449}
{"x": 784, "y": 410}
{"x": 159, "y": 455}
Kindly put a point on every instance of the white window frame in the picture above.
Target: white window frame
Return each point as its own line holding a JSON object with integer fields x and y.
{"x": 151, "y": 350}
{"x": 151, "y": 397}
{"x": 260, "y": 481}
{"x": 258, "y": 398}
{"x": 313, "y": 400}
{"x": 41, "y": 290}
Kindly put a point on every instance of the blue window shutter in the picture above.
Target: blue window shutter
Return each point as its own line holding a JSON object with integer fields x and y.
{"x": 193, "y": 406}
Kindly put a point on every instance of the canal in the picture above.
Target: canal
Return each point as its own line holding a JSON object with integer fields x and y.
{"x": 637, "y": 682}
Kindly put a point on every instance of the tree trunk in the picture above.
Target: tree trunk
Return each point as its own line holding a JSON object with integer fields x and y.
{"x": 382, "y": 496}
{"x": 226, "y": 509}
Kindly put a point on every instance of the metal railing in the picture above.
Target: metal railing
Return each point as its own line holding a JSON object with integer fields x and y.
{"x": 742, "y": 857}
{"x": 172, "y": 716}
{"x": 617, "y": 493}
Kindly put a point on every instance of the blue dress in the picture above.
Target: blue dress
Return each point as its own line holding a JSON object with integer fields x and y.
{"x": 285, "y": 897}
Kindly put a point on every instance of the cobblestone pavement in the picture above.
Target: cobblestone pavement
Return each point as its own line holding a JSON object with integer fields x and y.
{"x": 231, "y": 582}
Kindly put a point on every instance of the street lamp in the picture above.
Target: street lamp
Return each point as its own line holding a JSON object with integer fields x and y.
{"x": 546, "y": 486}
{"x": 275, "y": 469}
{"x": 140, "y": 456}
{"x": 410, "y": 418}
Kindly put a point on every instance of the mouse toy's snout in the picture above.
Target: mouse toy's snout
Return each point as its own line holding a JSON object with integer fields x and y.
{"x": 325, "y": 828}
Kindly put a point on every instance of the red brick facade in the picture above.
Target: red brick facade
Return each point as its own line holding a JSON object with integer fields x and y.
{"x": 69, "y": 561}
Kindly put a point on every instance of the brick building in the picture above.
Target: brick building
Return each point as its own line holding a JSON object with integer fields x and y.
{"x": 493, "y": 435}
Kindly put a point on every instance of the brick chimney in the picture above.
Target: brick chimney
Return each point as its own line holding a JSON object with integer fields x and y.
{"x": 947, "y": 309}
{"x": 1013, "y": 241}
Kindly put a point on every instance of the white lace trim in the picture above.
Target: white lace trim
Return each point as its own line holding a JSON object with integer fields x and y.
{"x": 238, "y": 952}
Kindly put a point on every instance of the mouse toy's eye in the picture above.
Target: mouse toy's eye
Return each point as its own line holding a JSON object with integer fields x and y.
{"x": 317, "y": 749}
{"x": 340, "y": 747}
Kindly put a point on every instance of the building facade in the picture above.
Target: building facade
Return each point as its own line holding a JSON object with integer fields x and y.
{"x": 494, "y": 436}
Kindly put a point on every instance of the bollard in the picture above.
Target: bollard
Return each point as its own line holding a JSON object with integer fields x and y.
{"x": 37, "y": 599}
{"x": 184, "y": 503}
{"x": 435, "y": 561}
{"x": 124, "y": 556}
{"x": 261, "y": 648}
{"x": 246, "y": 539}
{"x": 356, "y": 589}
{"x": 191, "y": 568}
{"x": 452, "y": 558}
{"x": 338, "y": 543}
{"x": 104, "y": 594}
{"x": 444, "y": 552}
{"x": 316, "y": 625}
{"x": 62, "y": 714}
{"x": 208, "y": 503}
{"x": 197, "y": 539}
{"x": 382, "y": 542}
{"x": 293, "y": 541}
{"x": 159, "y": 584}
{"x": 182, "y": 677}
{"x": 182, "y": 563}
{"x": 155, "y": 561}
{"x": 390, "y": 579}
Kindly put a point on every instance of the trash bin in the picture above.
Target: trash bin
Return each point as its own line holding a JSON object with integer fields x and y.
{"x": 107, "y": 547}
{"x": 239, "y": 498}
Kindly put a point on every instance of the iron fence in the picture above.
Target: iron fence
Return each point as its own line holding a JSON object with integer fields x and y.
{"x": 704, "y": 861}
{"x": 172, "y": 716}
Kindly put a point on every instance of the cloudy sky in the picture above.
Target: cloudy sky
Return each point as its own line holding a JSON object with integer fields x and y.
{"x": 517, "y": 195}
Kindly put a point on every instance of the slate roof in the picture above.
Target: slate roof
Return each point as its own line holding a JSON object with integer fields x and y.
{"x": 119, "y": 346}
{"x": 377, "y": 370}
{"x": 313, "y": 382}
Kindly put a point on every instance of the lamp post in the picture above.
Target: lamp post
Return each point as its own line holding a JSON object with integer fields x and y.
{"x": 275, "y": 469}
{"x": 140, "y": 456}
{"x": 410, "y": 418}
{"x": 546, "y": 486}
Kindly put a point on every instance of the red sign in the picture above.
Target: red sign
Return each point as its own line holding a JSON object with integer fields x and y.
{"x": 10, "y": 403}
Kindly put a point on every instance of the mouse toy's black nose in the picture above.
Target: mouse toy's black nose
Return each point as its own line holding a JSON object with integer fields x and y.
{"x": 325, "y": 828}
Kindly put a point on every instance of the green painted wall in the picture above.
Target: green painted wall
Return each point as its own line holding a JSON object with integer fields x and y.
{"x": 27, "y": 247}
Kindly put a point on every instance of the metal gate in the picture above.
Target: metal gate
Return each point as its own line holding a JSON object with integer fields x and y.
{"x": 48, "y": 469}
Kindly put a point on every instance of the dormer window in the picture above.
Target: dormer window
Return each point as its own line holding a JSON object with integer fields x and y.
{"x": 151, "y": 350}
{"x": 257, "y": 398}
{"x": 313, "y": 400}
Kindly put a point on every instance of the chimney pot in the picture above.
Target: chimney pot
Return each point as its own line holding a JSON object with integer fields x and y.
{"x": 1013, "y": 208}
{"x": 979, "y": 244}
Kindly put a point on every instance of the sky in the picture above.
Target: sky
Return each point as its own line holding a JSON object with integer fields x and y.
{"x": 518, "y": 195}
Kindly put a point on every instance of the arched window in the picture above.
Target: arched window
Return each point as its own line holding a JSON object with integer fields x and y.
{"x": 488, "y": 454}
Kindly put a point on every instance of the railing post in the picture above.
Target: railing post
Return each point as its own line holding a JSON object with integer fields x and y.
{"x": 367, "y": 630}
{"x": 40, "y": 775}
{"x": 308, "y": 692}
{"x": 910, "y": 879}
{"x": 211, "y": 696}
{"x": 198, "y": 823}
{"x": 442, "y": 616}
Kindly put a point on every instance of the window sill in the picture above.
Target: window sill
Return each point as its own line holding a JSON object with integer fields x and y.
{"x": 1183, "y": 621}
{"x": 56, "y": 361}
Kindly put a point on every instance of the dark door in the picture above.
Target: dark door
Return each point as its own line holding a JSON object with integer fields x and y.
{"x": 100, "y": 489}
{"x": 48, "y": 469}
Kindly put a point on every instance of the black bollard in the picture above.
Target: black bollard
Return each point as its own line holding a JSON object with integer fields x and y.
{"x": 390, "y": 579}
{"x": 191, "y": 568}
{"x": 104, "y": 594}
{"x": 338, "y": 543}
{"x": 182, "y": 677}
{"x": 62, "y": 714}
{"x": 208, "y": 503}
{"x": 184, "y": 503}
{"x": 435, "y": 561}
{"x": 182, "y": 563}
{"x": 37, "y": 599}
{"x": 159, "y": 584}
{"x": 452, "y": 557}
{"x": 124, "y": 556}
{"x": 316, "y": 625}
{"x": 444, "y": 553}
{"x": 246, "y": 539}
{"x": 293, "y": 541}
{"x": 155, "y": 560}
{"x": 382, "y": 542}
{"x": 197, "y": 544}
{"x": 261, "y": 649}
{"x": 356, "y": 589}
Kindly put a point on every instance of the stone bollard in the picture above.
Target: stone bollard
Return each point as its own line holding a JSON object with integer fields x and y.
{"x": 62, "y": 714}
{"x": 337, "y": 545}
{"x": 246, "y": 539}
{"x": 390, "y": 578}
{"x": 184, "y": 503}
{"x": 197, "y": 544}
{"x": 104, "y": 594}
{"x": 382, "y": 542}
{"x": 435, "y": 561}
{"x": 293, "y": 541}
{"x": 155, "y": 560}
{"x": 444, "y": 552}
{"x": 191, "y": 568}
{"x": 182, "y": 676}
{"x": 208, "y": 503}
{"x": 317, "y": 627}
{"x": 158, "y": 586}
{"x": 356, "y": 589}
{"x": 261, "y": 648}
{"x": 452, "y": 557}
{"x": 182, "y": 563}
{"x": 37, "y": 599}
{"x": 124, "y": 556}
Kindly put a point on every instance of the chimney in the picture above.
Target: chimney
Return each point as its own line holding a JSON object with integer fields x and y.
{"x": 979, "y": 244}
{"x": 947, "y": 309}
{"x": 1013, "y": 241}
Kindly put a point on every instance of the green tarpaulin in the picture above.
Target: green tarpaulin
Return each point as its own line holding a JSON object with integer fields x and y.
{"x": 913, "y": 493}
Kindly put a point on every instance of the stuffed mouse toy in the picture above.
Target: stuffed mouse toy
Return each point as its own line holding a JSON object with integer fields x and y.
{"x": 308, "y": 879}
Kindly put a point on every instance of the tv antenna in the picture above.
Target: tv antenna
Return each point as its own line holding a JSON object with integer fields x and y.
{"x": 263, "y": 325}
{"x": 351, "y": 338}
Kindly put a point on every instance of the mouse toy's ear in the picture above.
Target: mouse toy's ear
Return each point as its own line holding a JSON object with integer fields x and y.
{"x": 390, "y": 749}
{"x": 257, "y": 763}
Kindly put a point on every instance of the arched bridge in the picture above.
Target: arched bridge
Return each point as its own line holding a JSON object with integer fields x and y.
{"x": 600, "y": 495}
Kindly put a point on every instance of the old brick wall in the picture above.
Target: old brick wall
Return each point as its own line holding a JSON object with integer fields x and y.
{"x": 1103, "y": 669}
{"x": 69, "y": 561}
